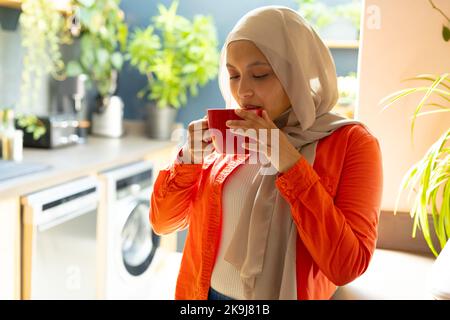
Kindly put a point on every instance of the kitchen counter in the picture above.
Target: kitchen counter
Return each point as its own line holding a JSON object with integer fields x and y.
{"x": 391, "y": 275}
{"x": 66, "y": 163}
{"x": 71, "y": 162}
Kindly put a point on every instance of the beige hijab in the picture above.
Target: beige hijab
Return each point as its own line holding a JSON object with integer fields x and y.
{"x": 263, "y": 247}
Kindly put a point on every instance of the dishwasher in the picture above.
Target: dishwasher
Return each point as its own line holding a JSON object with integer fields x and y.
{"x": 59, "y": 241}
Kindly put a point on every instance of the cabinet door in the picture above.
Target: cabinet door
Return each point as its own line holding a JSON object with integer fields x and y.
{"x": 10, "y": 248}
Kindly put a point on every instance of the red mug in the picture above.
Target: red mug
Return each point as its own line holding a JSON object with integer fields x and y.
{"x": 224, "y": 141}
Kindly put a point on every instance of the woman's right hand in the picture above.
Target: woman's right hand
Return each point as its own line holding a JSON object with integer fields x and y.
{"x": 199, "y": 143}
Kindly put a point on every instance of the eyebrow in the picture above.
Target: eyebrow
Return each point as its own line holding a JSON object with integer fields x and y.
{"x": 256, "y": 63}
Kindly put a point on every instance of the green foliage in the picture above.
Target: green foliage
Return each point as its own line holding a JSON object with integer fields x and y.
{"x": 316, "y": 13}
{"x": 103, "y": 36}
{"x": 350, "y": 11}
{"x": 31, "y": 124}
{"x": 445, "y": 33}
{"x": 348, "y": 86}
{"x": 429, "y": 179}
{"x": 445, "y": 28}
{"x": 42, "y": 33}
{"x": 320, "y": 15}
{"x": 177, "y": 56}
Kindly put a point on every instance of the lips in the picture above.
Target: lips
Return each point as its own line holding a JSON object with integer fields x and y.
{"x": 251, "y": 106}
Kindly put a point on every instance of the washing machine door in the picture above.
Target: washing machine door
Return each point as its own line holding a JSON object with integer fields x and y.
{"x": 138, "y": 241}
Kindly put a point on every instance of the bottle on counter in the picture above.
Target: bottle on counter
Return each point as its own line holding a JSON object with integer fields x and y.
{"x": 2, "y": 129}
{"x": 12, "y": 139}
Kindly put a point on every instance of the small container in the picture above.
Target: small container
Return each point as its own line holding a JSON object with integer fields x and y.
{"x": 12, "y": 145}
{"x": 7, "y": 134}
{"x": 83, "y": 130}
{"x": 17, "y": 146}
{"x": 2, "y": 130}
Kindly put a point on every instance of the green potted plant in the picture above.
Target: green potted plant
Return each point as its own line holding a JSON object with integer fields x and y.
{"x": 428, "y": 181}
{"x": 177, "y": 56}
{"x": 102, "y": 39}
{"x": 429, "y": 178}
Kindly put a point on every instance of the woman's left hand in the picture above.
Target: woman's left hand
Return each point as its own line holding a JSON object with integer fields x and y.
{"x": 282, "y": 154}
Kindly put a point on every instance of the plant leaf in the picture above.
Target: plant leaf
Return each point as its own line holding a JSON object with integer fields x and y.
{"x": 117, "y": 60}
{"x": 74, "y": 69}
{"x": 430, "y": 112}
{"x": 446, "y": 33}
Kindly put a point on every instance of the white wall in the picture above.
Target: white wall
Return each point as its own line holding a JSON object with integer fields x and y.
{"x": 400, "y": 39}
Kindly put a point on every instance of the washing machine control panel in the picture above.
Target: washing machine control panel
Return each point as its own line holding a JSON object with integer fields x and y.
{"x": 134, "y": 184}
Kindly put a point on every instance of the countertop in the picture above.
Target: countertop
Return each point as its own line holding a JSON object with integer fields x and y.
{"x": 71, "y": 162}
{"x": 391, "y": 275}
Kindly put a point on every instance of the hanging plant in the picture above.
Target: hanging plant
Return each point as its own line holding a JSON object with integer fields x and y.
{"x": 42, "y": 34}
{"x": 103, "y": 36}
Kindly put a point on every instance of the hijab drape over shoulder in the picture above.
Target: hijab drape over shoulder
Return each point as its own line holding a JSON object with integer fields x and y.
{"x": 263, "y": 246}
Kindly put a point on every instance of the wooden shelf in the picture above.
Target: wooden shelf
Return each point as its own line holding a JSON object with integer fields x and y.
{"x": 342, "y": 44}
{"x": 62, "y": 5}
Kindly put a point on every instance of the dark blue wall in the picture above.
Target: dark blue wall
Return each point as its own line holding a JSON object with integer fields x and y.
{"x": 225, "y": 15}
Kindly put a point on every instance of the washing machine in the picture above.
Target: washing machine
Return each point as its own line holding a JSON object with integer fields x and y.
{"x": 135, "y": 263}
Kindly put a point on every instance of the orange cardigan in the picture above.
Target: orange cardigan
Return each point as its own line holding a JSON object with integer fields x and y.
{"x": 335, "y": 205}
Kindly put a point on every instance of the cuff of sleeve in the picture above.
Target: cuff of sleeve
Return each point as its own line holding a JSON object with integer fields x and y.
{"x": 297, "y": 179}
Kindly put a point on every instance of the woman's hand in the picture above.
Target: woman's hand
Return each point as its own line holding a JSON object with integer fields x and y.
{"x": 266, "y": 138}
{"x": 199, "y": 143}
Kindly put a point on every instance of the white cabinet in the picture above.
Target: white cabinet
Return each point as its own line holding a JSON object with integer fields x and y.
{"x": 10, "y": 248}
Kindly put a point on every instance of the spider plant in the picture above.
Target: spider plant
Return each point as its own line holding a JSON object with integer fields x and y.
{"x": 428, "y": 180}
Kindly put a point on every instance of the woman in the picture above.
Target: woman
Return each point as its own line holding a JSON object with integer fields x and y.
{"x": 309, "y": 226}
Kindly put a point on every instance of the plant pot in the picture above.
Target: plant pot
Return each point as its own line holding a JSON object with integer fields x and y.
{"x": 107, "y": 119}
{"x": 160, "y": 121}
{"x": 440, "y": 275}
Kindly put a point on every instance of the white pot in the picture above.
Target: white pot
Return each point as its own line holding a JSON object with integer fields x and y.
{"x": 440, "y": 274}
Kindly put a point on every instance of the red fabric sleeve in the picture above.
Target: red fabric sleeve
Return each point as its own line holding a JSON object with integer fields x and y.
{"x": 172, "y": 196}
{"x": 339, "y": 232}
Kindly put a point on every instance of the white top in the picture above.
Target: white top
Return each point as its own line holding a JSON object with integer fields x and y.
{"x": 225, "y": 277}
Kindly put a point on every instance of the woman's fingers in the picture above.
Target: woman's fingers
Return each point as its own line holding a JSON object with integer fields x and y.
{"x": 199, "y": 139}
{"x": 207, "y": 136}
{"x": 198, "y": 125}
{"x": 240, "y": 124}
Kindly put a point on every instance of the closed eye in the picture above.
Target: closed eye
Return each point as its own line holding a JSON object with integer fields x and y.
{"x": 255, "y": 76}
{"x": 260, "y": 76}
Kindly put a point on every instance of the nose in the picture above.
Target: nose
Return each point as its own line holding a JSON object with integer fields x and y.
{"x": 245, "y": 89}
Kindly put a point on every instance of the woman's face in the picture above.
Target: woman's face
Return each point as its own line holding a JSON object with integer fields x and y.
{"x": 252, "y": 80}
